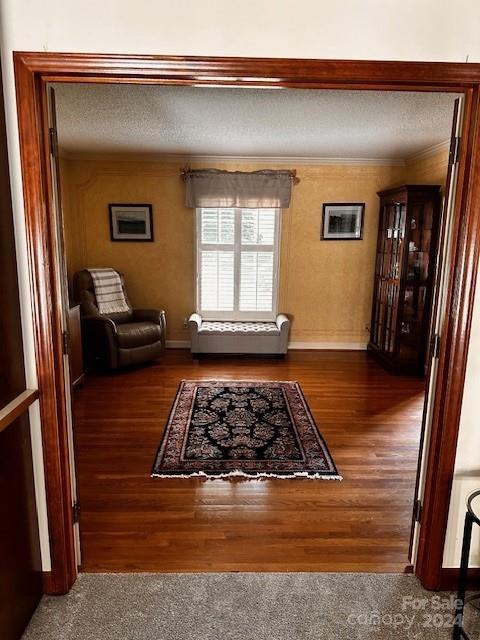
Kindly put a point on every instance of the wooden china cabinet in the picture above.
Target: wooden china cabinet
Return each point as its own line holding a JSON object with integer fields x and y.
{"x": 404, "y": 276}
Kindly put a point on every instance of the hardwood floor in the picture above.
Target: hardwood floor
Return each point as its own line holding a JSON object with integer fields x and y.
{"x": 132, "y": 522}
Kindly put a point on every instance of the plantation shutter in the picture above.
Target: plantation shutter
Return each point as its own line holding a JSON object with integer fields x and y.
{"x": 217, "y": 231}
{"x": 237, "y": 258}
{"x": 257, "y": 259}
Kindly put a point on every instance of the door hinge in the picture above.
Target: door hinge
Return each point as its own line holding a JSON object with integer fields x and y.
{"x": 76, "y": 512}
{"x": 417, "y": 511}
{"x": 435, "y": 346}
{"x": 66, "y": 342}
{"x": 53, "y": 142}
{"x": 454, "y": 150}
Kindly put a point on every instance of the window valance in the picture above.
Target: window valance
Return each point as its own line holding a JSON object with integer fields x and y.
{"x": 256, "y": 189}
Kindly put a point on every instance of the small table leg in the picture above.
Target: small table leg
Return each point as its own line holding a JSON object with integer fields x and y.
{"x": 462, "y": 583}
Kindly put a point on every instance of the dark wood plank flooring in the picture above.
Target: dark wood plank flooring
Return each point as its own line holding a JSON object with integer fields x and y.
{"x": 131, "y": 522}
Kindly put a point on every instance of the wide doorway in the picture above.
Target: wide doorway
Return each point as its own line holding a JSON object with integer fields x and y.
{"x": 129, "y": 145}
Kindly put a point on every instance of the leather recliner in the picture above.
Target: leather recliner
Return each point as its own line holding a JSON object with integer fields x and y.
{"x": 116, "y": 340}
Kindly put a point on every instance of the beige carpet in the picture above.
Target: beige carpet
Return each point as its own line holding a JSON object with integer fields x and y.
{"x": 244, "y": 606}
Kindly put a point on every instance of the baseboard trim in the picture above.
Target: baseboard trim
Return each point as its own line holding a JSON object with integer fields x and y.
{"x": 328, "y": 346}
{"x": 449, "y": 579}
{"x": 47, "y": 582}
{"x": 177, "y": 344}
{"x": 312, "y": 346}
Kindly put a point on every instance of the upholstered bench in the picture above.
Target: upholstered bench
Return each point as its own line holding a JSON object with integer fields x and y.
{"x": 218, "y": 336}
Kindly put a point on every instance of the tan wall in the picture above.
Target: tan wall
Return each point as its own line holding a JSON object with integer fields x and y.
{"x": 325, "y": 286}
{"x": 430, "y": 169}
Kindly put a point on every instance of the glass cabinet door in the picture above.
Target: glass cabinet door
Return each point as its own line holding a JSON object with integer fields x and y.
{"x": 411, "y": 334}
{"x": 378, "y": 308}
{"x": 417, "y": 280}
{"x": 387, "y": 276}
{"x": 419, "y": 230}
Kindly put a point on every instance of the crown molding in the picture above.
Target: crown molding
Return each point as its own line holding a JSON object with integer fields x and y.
{"x": 183, "y": 159}
{"x": 429, "y": 151}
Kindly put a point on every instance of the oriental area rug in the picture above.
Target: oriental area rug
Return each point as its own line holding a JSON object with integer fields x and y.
{"x": 222, "y": 429}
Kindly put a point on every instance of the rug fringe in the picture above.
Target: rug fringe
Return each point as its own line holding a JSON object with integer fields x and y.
{"x": 248, "y": 476}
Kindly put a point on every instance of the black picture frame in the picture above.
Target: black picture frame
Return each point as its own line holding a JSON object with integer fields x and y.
{"x": 327, "y": 233}
{"x": 133, "y": 231}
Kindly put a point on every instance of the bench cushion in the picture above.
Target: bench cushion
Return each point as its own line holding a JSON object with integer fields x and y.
{"x": 235, "y": 328}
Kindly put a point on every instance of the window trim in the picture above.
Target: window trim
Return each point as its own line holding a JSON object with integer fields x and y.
{"x": 236, "y": 314}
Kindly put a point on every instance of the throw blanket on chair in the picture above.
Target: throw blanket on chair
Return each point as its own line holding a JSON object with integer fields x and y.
{"x": 108, "y": 291}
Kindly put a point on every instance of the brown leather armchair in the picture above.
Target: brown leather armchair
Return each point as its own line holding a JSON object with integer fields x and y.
{"x": 117, "y": 339}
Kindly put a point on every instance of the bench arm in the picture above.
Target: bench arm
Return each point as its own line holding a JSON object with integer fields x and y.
{"x": 283, "y": 323}
{"x": 195, "y": 321}
{"x": 194, "y": 324}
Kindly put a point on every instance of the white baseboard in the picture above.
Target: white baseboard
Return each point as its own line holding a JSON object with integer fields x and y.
{"x": 177, "y": 344}
{"x": 317, "y": 346}
{"x": 327, "y": 346}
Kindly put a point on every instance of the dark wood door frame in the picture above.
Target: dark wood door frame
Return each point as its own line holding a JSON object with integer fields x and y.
{"x": 34, "y": 70}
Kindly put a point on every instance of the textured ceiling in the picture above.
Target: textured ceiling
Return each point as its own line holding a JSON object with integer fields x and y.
{"x": 250, "y": 122}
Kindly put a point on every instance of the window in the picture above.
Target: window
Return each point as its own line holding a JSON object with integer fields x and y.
{"x": 237, "y": 263}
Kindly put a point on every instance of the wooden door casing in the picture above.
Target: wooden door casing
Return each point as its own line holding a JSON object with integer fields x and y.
{"x": 20, "y": 562}
{"x": 32, "y": 73}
